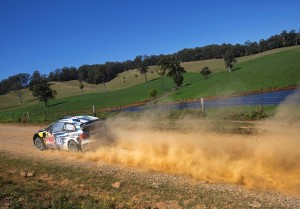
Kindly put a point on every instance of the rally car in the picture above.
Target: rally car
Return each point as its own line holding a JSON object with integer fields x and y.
{"x": 70, "y": 133}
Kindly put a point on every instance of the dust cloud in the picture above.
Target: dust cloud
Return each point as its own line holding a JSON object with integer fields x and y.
{"x": 268, "y": 160}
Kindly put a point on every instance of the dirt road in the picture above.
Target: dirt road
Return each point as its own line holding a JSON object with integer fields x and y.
{"x": 17, "y": 140}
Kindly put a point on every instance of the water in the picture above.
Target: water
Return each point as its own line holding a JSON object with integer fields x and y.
{"x": 267, "y": 98}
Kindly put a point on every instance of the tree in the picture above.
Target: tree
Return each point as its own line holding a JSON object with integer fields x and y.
{"x": 205, "y": 72}
{"x": 172, "y": 65}
{"x": 142, "y": 66}
{"x": 40, "y": 88}
{"x": 229, "y": 60}
{"x": 284, "y": 35}
{"x": 82, "y": 72}
{"x": 162, "y": 72}
{"x": 275, "y": 42}
{"x": 19, "y": 81}
{"x": 4, "y": 86}
{"x": 152, "y": 93}
{"x": 297, "y": 38}
{"x": 104, "y": 77}
{"x": 263, "y": 45}
{"x": 292, "y": 38}
{"x": 81, "y": 86}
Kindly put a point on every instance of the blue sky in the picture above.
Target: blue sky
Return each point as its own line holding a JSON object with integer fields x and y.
{"x": 48, "y": 34}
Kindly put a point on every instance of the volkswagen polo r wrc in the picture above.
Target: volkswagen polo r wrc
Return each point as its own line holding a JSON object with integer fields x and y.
{"x": 71, "y": 133}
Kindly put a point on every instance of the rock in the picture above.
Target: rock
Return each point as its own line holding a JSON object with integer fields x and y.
{"x": 116, "y": 185}
{"x": 254, "y": 204}
{"x": 30, "y": 174}
{"x": 155, "y": 185}
{"x": 23, "y": 174}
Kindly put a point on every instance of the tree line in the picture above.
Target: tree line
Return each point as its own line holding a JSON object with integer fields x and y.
{"x": 284, "y": 39}
{"x": 102, "y": 73}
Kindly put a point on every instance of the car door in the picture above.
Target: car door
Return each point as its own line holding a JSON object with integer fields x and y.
{"x": 58, "y": 133}
{"x": 70, "y": 131}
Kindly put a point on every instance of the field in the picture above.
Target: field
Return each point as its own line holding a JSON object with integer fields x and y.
{"x": 270, "y": 70}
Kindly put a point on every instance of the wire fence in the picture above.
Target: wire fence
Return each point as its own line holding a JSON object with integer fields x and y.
{"x": 50, "y": 114}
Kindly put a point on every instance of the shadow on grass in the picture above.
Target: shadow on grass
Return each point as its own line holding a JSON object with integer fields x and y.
{"x": 59, "y": 103}
{"x": 235, "y": 69}
{"x": 154, "y": 79}
{"x": 187, "y": 84}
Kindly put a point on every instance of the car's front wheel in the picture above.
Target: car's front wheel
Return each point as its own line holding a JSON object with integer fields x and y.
{"x": 73, "y": 146}
{"x": 39, "y": 144}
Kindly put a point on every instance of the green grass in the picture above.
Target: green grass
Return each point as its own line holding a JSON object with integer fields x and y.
{"x": 271, "y": 71}
{"x": 275, "y": 69}
{"x": 71, "y": 88}
{"x": 86, "y": 102}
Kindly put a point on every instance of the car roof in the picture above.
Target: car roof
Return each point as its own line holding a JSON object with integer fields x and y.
{"x": 78, "y": 119}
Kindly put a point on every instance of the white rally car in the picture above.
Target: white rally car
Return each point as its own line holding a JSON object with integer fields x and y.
{"x": 70, "y": 133}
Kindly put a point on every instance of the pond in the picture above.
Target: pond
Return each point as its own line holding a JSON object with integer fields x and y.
{"x": 266, "y": 98}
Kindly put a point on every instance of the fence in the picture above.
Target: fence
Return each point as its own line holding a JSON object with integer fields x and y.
{"x": 50, "y": 114}
{"x": 217, "y": 103}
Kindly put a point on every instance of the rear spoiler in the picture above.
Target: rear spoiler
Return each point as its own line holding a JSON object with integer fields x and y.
{"x": 91, "y": 123}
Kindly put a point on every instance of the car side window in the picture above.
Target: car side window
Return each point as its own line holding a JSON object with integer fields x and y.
{"x": 57, "y": 127}
{"x": 69, "y": 127}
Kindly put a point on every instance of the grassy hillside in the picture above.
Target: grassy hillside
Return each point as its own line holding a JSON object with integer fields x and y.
{"x": 270, "y": 71}
{"x": 277, "y": 68}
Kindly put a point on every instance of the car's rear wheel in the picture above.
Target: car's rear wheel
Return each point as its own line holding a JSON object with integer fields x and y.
{"x": 39, "y": 144}
{"x": 73, "y": 146}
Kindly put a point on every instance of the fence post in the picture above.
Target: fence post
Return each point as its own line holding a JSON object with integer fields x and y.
{"x": 94, "y": 112}
{"x": 13, "y": 116}
{"x": 46, "y": 116}
{"x": 28, "y": 116}
{"x": 202, "y": 104}
{"x": 67, "y": 112}
{"x": 262, "y": 105}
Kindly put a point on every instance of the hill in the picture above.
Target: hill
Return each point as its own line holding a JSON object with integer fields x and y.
{"x": 274, "y": 69}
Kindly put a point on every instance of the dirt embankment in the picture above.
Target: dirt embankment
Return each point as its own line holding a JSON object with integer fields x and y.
{"x": 245, "y": 172}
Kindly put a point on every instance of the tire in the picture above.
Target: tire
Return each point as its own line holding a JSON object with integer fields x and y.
{"x": 39, "y": 144}
{"x": 73, "y": 146}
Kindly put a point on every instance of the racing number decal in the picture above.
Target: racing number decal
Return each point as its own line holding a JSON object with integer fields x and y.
{"x": 58, "y": 141}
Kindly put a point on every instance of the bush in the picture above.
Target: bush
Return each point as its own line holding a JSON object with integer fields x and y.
{"x": 205, "y": 72}
{"x": 152, "y": 93}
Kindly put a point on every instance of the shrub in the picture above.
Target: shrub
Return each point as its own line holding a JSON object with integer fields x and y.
{"x": 152, "y": 93}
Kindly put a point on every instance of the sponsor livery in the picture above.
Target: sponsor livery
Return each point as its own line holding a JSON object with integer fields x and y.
{"x": 69, "y": 133}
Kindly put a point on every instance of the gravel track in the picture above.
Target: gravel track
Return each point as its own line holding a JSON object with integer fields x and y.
{"x": 17, "y": 140}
